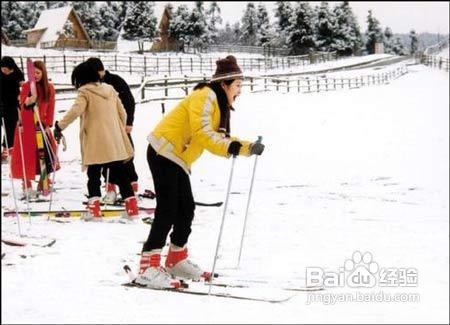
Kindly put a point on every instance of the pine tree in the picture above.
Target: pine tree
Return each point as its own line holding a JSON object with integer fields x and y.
{"x": 348, "y": 39}
{"x": 178, "y": 28}
{"x": 197, "y": 33}
{"x": 90, "y": 17}
{"x": 283, "y": 13}
{"x": 111, "y": 21}
{"x": 301, "y": 29}
{"x": 263, "y": 33}
{"x": 213, "y": 18}
{"x": 140, "y": 23}
{"x": 373, "y": 33}
{"x": 325, "y": 27}
{"x": 388, "y": 40}
{"x": 397, "y": 47}
{"x": 249, "y": 25}
{"x": 12, "y": 20}
{"x": 414, "y": 42}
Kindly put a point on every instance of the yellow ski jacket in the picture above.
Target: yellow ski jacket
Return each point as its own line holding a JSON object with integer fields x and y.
{"x": 191, "y": 127}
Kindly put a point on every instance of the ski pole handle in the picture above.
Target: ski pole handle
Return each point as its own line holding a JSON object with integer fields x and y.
{"x": 259, "y": 139}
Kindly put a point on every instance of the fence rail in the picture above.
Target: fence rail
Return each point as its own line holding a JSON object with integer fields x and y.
{"x": 175, "y": 88}
{"x": 151, "y": 65}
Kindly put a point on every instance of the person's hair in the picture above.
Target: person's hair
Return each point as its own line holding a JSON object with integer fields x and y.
{"x": 44, "y": 80}
{"x": 8, "y": 62}
{"x": 83, "y": 74}
{"x": 96, "y": 63}
{"x": 222, "y": 100}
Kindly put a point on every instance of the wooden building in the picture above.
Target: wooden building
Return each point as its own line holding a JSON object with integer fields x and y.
{"x": 164, "y": 42}
{"x": 58, "y": 28}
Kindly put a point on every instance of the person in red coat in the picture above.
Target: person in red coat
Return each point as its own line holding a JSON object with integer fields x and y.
{"x": 25, "y": 134}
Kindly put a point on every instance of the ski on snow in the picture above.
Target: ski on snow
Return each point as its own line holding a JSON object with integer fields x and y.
{"x": 73, "y": 213}
{"x": 231, "y": 291}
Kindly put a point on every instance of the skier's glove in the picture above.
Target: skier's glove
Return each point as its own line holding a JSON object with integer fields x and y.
{"x": 234, "y": 147}
{"x": 256, "y": 148}
{"x": 57, "y": 132}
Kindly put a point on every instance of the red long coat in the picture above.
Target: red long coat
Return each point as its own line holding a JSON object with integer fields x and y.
{"x": 30, "y": 152}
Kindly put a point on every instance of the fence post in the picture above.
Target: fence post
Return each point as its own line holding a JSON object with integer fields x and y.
{"x": 143, "y": 89}
{"x": 166, "y": 90}
{"x": 251, "y": 83}
{"x": 287, "y": 84}
{"x": 130, "y": 65}
{"x": 185, "y": 83}
{"x": 181, "y": 66}
{"x": 157, "y": 65}
{"x": 115, "y": 62}
{"x": 145, "y": 65}
{"x": 169, "y": 66}
{"x": 318, "y": 85}
{"x": 211, "y": 65}
{"x": 192, "y": 68}
{"x": 64, "y": 63}
{"x": 21, "y": 62}
{"x": 45, "y": 60}
{"x": 309, "y": 85}
{"x": 265, "y": 84}
{"x": 201, "y": 65}
{"x": 298, "y": 85}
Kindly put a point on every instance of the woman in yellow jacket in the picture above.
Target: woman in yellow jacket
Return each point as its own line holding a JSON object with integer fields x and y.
{"x": 200, "y": 121}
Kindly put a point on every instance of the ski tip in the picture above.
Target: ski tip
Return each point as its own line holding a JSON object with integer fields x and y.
{"x": 126, "y": 268}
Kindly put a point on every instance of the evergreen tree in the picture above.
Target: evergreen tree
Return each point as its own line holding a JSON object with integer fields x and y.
{"x": 397, "y": 47}
{"x": 263, "y": 33}
{"x": 213, "y": 18}
{"x": 283, "y": 13}
{"x": 249, "y": 25}
{"x": 197, "y": 28}
{"x": 414, "y": 42}
{"x": 348, "y": 39}
{"x": 373, "y": 33}
{"x": 325, "y": 27}
{"x": 12, "y": 20}
{"x": 90, "y": 17}
{"x": 110, "y": 20}
{"x": 388, "y": 42}
{"x": 178, "y": 28}
{"x": 237, "y": 33}
{"x": 301, "y": 29}
{"x": 140, "y": 23}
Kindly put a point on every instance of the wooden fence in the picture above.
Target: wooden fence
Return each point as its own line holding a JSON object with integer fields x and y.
{"x": 180, "y": 87}
{"x": 435, "y": 62}
{"x": 153, "y": 65}
{"x": 175, "y": 88}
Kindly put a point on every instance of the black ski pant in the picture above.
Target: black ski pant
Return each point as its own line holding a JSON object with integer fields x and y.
{"x": 116, "y": 167}
{"x": 174, "y": 203}
{"x": 10, "y": 126}
{"x": 128, "y": 168}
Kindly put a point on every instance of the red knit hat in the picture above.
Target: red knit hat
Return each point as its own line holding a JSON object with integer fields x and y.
{"x": 227, "y": 69}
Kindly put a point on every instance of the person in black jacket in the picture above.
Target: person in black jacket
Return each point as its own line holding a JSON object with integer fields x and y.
{"x": 11, "y": 80}
{"x": 128, "y": 102}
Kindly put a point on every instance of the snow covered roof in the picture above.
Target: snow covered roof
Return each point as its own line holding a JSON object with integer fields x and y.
{"x": 53, "y": 21}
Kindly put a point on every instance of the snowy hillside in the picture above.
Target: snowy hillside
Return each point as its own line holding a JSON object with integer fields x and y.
{"x": 351, "y": 170}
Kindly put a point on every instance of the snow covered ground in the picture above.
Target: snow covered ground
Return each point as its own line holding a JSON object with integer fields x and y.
{"x": 351, "y": 170}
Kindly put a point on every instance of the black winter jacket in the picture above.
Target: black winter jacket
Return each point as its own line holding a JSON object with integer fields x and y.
{"x": 10, "y": 89}
{"x": 125, "y": 94}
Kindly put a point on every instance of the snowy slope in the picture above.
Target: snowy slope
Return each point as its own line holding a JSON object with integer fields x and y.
{"x": 343, "y": 171}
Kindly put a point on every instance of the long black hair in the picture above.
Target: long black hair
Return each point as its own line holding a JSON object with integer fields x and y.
{"x": 222, "y": 100}
{"x": 83, "y": 74}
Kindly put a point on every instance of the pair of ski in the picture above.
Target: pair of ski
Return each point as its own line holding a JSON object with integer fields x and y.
{"x": 74, "y": 213}
{"x": 233, "y": 290}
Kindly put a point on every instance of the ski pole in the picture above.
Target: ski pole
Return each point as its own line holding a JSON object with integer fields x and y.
{"x": 223, "y": 219}
{"x": 248, "y": 204}
{"x": 20, "y": 130}
{"x": 56, "y": 161}
{"x": 12, "y": 182}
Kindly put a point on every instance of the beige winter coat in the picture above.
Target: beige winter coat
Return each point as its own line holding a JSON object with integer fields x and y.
{"x": 103, "y": 137}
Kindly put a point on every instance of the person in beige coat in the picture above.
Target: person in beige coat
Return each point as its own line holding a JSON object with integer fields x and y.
{"x": 103, "y": 139}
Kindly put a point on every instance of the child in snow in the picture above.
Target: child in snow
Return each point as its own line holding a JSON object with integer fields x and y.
{"x": 103, "y": 140}
{"x": 200, "y": 121}
{"x": 25, "y": 141}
